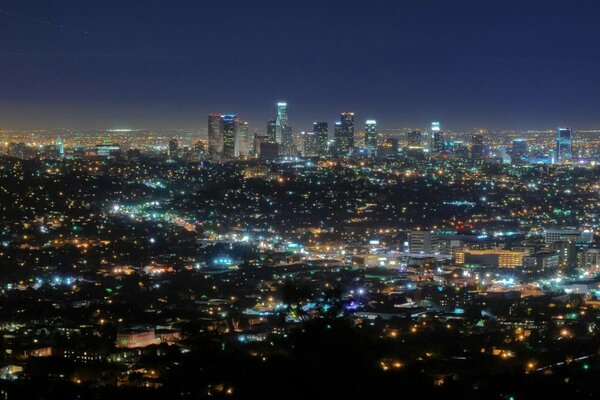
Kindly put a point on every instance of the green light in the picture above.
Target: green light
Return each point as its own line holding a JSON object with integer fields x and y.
{"x": 586, "y": 367}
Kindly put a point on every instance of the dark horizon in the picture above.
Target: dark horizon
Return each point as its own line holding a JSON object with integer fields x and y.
{"x": 115, "y": 64}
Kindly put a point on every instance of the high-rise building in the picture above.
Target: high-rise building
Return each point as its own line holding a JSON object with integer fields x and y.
{"x": 348, "y": 126}
{"x": 242, "y": 139}
{"x": 344, "y": 135}
{"x": 281, "y": 122}
{"x": 215, "y": 135}
{"x": 321, "y": 130}
{"x": 283, "y": 133}
{"x": 337, "y": 138}
{"x": 519, "y": 149}
{"x": 438, "y": 144}
{"x": 229, "y": 127}
{"x": 173, "y": 148}
{"x": 371, "y": 137}
{"x": 564, "y": 145}
{"x": 272, "y": 131}
{"x": 60, "y": 147}
{"x": 288, "y": 145}
{"x": 477, "y": 147}
{"x": 311, "y": 144}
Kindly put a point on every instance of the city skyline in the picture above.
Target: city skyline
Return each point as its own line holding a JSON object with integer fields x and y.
{"x": 310, "y": 199}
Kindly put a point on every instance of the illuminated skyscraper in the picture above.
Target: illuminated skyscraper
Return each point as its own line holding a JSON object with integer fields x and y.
{"x": 337, "y": 138}
{"x": 229, "y": 132}
{"x": 289, "y": 145}
{"x": 215, "y": 135}
{"x": 283, "y": 135}
{"x": 321, "y": 130}
{"x": 281, "y": 122}
{"x": 477, "y": 148}
{"x": 437, "y": 139}
{"x": 519, "y": 149}
{"x": 348, "y": 125}
{"x": 371, "y": 137}
{"x": 60, "y": 147}
{"x": 272, "y": 131}
{"x": 242, "y": 139}
{"x": 344, "y": 135}
{"x": 311, "y": 144}
{"x": 564, "y": 145}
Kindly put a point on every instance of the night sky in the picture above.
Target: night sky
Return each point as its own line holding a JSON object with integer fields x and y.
{"x": 168, "y": 63}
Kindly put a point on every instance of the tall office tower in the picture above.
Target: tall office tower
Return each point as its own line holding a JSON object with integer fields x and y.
{"x": 564, "y": 145}
{"x": 229, "y": 127}
{"x": 289, "y": 143}
{"x": 348, "y": 126}
{"x": 312, "y": 145}
{"x": 477, "y": 149}
{"x": 272, "y": 131}
{"x": 339, "y": 140}
{"x": 283, "y": 134}
{"x": 297, "y": 147}
{"x": 519, "y": 149}
{"x": 414, "y": 139}
{"x": 281, "y": 122}
{"x": 215, "y": 135}
{"x": 242, "y": 139}
{"x": 438, "y": 145}
{"x": 321, "y": 130}
{"x": 60, "y": 147}
{"x": 344, "y": 135}
{"x": 173, "y": 148}
{"x": 371, "y": 137}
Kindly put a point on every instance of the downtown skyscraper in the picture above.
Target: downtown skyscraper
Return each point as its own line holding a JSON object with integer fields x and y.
{"x": 215, "y": 135}
{"x": 437, "y": 143}
{"x": 344, "y": 135}
{"x": 283, "y": 133}
{"x": 564, "y": 145}
{"x": 321, "y": 130}
{"x": 272, "y": 131}
{"x": 242, "y": 139}
{"x": 371, "y": 137}
{"x": 477, "y": 147}
{"x": 223, "y": 136}
{"x": 229, "y": 129}
{"x": 281, "y": 122}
